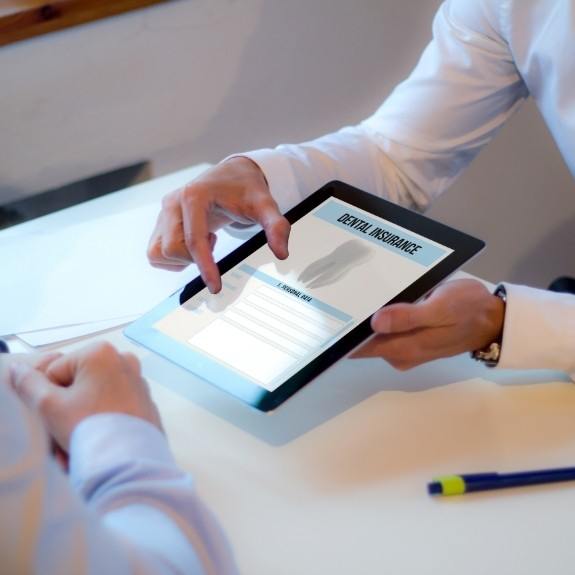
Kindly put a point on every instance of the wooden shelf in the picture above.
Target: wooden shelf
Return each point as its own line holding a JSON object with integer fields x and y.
{"x": 24, "y": 19}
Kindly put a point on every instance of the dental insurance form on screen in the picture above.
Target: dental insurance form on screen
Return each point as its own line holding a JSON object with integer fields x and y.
{"x": 272, "y": 317}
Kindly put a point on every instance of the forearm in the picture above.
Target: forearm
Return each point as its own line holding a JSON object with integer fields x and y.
{"x": 133, "y": 512}
{"x": 144, "y": 499}
{"x": 294, "y": 171}
{"x": 428, "y": 130}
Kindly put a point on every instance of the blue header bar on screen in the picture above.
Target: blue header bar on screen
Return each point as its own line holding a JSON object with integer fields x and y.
{"x": 381, "y": 233}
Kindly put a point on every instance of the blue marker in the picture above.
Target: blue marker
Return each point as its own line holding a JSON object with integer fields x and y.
{"x": 468, "y": 483}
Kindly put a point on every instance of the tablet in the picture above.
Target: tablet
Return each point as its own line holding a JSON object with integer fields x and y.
{"x": 276, "y": 325}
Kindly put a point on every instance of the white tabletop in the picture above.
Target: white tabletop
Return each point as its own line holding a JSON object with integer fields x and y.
{"x": 334, "y": 481}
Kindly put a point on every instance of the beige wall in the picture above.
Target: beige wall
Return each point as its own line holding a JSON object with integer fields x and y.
{"x": 195, "y": 80}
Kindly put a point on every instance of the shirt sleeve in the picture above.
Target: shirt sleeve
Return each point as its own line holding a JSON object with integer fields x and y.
{"x": 539, "y": 330}
{"x": 463, "y": 89}
{"x": 129, "y": 508}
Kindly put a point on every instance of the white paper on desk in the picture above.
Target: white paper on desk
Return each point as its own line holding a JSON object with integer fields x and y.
{"x": 85, "y": 273}
{"x": 60, "y": 334}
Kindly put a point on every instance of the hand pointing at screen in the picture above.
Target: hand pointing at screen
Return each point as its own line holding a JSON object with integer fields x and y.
{"x": 233, "y": 191}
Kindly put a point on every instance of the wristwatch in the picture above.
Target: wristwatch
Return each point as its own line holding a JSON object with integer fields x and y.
{"x": 490, "y": 354}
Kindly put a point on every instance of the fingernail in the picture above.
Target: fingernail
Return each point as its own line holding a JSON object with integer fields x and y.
{"x": 382, "y": 323}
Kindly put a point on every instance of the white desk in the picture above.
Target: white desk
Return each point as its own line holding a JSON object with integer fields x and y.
{"x": 334, "y": 482}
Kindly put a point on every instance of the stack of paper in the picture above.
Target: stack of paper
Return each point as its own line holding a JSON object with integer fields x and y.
{"x": 85, "y": 277}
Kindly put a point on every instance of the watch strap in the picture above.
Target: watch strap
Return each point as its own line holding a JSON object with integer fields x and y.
{"x": 490, "y": 354}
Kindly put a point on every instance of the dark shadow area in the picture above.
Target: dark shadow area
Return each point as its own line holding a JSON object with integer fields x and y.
{"x": 69, "y": 195}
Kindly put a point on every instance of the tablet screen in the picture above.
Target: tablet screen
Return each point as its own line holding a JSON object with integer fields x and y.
{"x": 273, "y": 317}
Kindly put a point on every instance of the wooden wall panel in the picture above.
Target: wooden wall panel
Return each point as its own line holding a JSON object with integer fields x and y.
{"x": 27, "y": 18}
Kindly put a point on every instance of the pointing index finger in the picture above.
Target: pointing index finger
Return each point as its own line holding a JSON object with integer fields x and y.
{"x": 199, "y": 241}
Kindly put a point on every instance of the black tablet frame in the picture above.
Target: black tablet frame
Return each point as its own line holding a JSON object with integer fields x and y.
{"x": 463, "y": 245}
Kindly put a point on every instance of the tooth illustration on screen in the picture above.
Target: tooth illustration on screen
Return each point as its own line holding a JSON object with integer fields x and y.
{"x": 335, "y": 265}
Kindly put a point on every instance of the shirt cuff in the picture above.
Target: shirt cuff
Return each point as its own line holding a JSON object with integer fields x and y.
{"x": 539, "y": 330}
{"x": 105, "y": 442}
{"x": 279, "y": 175}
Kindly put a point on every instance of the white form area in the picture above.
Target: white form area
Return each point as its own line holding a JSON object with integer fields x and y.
{"x": 265, "y": 334}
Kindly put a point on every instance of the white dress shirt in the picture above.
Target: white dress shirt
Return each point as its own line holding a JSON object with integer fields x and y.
{"x": 125, "y": 508}
{"x": 485, "y": 59}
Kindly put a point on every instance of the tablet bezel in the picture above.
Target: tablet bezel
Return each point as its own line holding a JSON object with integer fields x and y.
{"x": 463, "y": 245}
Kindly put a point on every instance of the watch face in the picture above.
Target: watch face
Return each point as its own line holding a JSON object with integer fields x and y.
{"x": 489, "y": 356}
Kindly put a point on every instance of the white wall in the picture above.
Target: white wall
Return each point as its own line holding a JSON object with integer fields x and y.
{"x": 194, "y": 80}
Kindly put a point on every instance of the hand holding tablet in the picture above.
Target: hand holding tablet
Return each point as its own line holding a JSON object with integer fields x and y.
{"x": 276, "y": 325}
{"x": 458, "y": 316}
